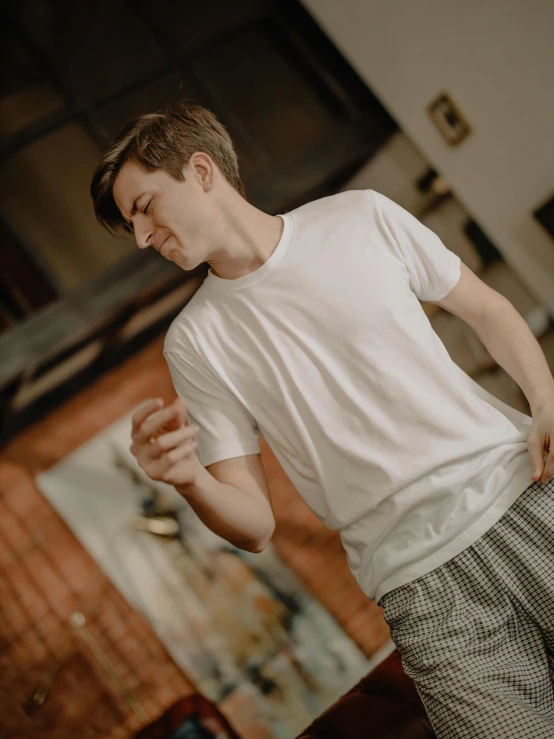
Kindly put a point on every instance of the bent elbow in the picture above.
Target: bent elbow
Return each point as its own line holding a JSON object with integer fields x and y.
{"x": 261, "y": 544}
{"x": 258, "y": 547}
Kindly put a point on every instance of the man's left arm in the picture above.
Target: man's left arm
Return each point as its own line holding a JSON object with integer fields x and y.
{"x": 511, "y": 343}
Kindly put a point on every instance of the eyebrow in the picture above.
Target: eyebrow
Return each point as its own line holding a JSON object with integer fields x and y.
{"x": 134, "y": 207}
{"x": 135, "y": 201}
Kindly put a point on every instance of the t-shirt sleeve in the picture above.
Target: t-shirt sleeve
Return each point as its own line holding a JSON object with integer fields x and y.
{"x": 227, "y": 429}
{"x": 433, "y": 268}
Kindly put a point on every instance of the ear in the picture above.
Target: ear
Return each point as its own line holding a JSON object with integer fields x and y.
{"x": 204, "y": 168}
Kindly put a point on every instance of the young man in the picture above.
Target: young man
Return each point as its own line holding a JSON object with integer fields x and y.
{"x": 308, "y": 329}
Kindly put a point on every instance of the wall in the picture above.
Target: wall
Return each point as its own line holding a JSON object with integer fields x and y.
{"x": 496, "y": 60}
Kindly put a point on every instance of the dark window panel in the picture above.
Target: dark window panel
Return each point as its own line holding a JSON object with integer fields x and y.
{"x": 330, "y": 64}
{"x": 44, "y": 194}
{"x": 148, "y": 98}
{"x": 6, "y": 320}
{"x": 264, "y": 89}
{"x": 170, "y": 88}
{"x": 24, "y": 285}
{"x": 188, "y": 26}
{"x": 248, "y": 166}
{"x": 97, "y": 48}
{"x": 25, "y": 95}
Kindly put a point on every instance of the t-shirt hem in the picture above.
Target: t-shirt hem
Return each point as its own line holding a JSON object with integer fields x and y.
{"x": 227, "y": 452}
{"x": 450, "y": 282}
{"x": 454, "y": 547}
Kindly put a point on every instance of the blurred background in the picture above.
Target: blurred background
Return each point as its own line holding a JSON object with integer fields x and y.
{"x": 445, "y": 108}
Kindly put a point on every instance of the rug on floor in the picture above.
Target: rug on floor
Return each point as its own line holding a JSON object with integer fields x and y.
{"x": 240, "y": 625}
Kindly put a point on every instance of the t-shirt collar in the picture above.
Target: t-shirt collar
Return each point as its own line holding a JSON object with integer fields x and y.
{"x": 221, "y": 284}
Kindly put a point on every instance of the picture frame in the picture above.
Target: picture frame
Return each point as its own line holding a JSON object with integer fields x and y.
{"x": 449, "y": 119}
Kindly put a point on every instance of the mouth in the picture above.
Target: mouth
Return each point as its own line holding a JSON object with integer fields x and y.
{"x": 162, "y": 245}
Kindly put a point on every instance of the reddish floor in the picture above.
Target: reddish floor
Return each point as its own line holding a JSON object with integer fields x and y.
{"x": 45, "y": 575}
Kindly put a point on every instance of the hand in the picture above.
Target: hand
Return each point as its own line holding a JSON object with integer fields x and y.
{"x": 163, "y": 442}
{"x": 540, "y": 443}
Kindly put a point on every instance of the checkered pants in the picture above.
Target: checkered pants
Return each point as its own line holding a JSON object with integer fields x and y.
{"x": 477, "y": 633}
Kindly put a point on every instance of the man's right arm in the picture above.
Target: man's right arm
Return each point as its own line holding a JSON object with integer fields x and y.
{"x": 231, "y": 497}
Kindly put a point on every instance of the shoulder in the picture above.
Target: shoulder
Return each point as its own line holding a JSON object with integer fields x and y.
{"x": 183, "y": 336}
{"x": 344, "y": 200}
{"x": 345, "y": 203}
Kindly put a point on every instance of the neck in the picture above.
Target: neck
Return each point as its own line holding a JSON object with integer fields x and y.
{"x": 249, "y": 238}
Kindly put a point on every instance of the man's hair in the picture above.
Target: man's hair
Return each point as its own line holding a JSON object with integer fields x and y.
{"x": 164, "y": 140}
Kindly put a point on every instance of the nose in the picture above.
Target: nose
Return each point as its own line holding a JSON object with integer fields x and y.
{"x": 143, "y": 234}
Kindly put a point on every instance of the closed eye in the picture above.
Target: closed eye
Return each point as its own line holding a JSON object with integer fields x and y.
{"x": 147, "y": 206}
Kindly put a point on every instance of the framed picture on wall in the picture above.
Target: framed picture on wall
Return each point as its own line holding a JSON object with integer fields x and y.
{"x": 449, "y": 119}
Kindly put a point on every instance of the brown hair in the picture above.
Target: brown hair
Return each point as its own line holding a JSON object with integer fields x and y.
{"x": 165, "y": 140}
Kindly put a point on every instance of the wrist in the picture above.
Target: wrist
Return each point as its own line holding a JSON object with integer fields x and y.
{"x": 545, "y": 400}
{"x": 191, "y": 488}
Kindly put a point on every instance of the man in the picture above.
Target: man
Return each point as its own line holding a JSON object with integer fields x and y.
{"x": 308, "y": 329}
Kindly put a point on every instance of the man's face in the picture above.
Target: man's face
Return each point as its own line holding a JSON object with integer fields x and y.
{"x": 169, "y": 215}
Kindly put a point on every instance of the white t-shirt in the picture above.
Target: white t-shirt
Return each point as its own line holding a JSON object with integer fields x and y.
{"x": 326, "y": 351}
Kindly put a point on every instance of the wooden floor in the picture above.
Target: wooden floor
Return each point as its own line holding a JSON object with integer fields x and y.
{"x": 45, "y": 575}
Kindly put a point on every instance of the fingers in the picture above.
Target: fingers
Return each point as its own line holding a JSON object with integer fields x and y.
{"x": 534, "y": 447}
{"x": 144, "y": 411}
{"x": 153, "y": 423}
{"x": 173, "y": 439}
{"x": 548, "y": 470}
{"x": 181, "y": 405}
{"x": 179, "y": 417}
{"x": 160, "y": 469}
{"x": 541, "y": 471}
{"x": 175, "y": 455}
{"x": 172, "y": 469}
{"x": 161, "y": 437}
